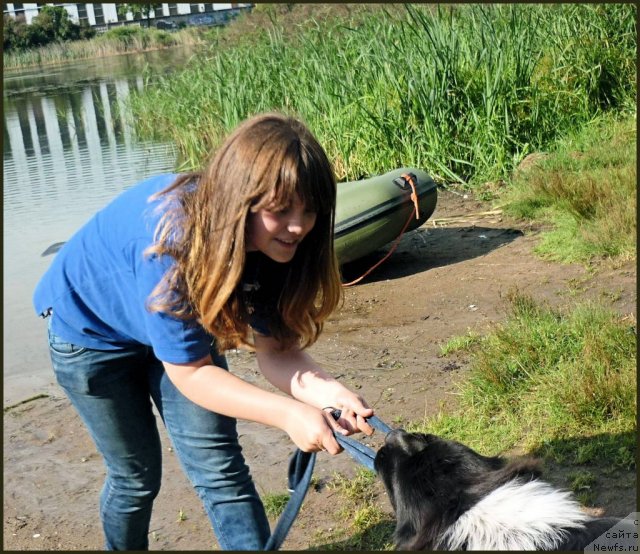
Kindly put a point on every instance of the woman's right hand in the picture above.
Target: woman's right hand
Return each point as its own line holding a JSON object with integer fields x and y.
{"x": 311, "y": 429}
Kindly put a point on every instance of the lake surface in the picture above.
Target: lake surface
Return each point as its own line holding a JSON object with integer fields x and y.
{"x": 68, "y": 150}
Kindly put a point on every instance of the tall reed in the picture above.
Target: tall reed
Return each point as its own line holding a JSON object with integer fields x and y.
{"x": 463, "y": 91}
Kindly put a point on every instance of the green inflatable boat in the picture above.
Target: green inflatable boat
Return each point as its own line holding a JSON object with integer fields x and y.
{"x": 372, "y": 212}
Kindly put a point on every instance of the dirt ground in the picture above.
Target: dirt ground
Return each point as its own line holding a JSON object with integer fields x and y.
{"x": 447, "y": 277}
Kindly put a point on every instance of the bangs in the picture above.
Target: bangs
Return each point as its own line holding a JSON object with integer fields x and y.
{"x": 317, "y": 189}
{"x": 299, "y": 172}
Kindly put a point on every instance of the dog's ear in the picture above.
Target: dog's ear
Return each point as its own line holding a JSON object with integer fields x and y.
{"x": 527, "y": 468}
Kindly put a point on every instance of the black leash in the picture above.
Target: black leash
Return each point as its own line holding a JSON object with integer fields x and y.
{"x": 301, "y": 469}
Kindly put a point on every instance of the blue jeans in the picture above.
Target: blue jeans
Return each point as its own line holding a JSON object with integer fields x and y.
{"x": 112, "y": 391}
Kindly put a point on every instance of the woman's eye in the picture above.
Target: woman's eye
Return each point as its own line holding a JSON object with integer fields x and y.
{"x": 275, "y": 210}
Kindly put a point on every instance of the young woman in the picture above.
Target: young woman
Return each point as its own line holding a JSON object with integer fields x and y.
{"x": 144, "y": 300}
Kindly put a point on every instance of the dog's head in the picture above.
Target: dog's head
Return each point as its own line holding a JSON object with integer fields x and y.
{"x": 432, "y": 481}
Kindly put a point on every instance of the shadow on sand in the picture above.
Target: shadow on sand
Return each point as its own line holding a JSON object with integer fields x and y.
{"x": 428, "y": 248}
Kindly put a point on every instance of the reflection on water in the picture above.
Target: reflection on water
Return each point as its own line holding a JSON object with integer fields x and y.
{"x": 68, "y": 149}
{"x": 72, "y": 145}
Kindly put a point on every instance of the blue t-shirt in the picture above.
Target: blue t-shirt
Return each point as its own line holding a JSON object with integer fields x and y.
{"x": 99, "y": 282}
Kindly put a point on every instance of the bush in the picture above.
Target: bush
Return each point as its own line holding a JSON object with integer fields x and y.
{"x": 15, "y": 33}
{"x": 164, "y": 38}
{"x": 128, "y": 36}
{"x": 86, "y": 32}
{"x": 124, "y": 32}
{"x": 52, "y": 24}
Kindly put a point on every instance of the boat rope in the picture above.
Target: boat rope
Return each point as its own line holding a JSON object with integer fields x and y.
{"x": 408, "y": 178}
{"x": 300, "y": 472}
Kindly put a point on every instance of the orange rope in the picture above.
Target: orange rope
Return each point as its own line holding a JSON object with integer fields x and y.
{"x": 416, "y": 210}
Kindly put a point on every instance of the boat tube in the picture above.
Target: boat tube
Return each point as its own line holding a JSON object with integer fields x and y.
{"x": 372, "y": 212}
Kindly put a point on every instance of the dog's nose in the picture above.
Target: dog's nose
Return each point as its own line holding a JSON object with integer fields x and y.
{"x": 394, "y": 436}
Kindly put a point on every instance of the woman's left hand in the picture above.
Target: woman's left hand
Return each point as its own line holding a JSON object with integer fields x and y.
{"x": 353, "y": 411}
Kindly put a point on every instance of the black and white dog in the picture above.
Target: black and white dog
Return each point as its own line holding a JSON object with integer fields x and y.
{"x": 448, "y": 497}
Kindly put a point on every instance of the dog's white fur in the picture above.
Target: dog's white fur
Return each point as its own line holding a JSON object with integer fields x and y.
{"x": 516, "y": 516}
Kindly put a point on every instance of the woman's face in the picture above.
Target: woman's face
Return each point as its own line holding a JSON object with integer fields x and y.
{"x": 277, "y": 234}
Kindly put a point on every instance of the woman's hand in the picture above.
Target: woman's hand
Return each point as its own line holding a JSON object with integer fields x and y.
{"x": 353, "y": 410}
{"x": 312, "y": 430}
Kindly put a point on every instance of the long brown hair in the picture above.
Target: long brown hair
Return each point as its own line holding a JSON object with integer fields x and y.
{"x": 266, "y": 161}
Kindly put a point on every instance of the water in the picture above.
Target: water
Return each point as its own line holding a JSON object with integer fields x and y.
{"x": 68, "y": 150}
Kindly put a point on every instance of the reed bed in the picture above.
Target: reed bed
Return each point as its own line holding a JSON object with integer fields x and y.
{"x": 465, "y": 91}
{"x": 120, "y": 40}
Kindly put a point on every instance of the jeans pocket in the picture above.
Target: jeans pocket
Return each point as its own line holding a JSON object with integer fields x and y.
{"x": 95, "y": 372}
{"x": 64, "y": 348}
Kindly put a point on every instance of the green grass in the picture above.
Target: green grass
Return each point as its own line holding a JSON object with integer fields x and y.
{"x": 462, "y": 91}
{"x": 275, "y": 503}
{"x": 460, "y": 343}
{"x": 368, "y": 527}
{"x": 581, "y": 483}
{"x": 356, "y": 489}
{"x": 586, "y": 188}
{"x": 561, "y": 384}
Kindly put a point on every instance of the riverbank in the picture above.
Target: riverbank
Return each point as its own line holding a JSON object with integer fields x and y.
{"x": 118, "y": 41}
{"x": 386, "y": 341}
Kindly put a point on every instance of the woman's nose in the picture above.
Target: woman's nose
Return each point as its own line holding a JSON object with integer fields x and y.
{"x": 296, "y": 223}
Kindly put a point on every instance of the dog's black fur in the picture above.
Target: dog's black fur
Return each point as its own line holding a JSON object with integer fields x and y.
{"x": 432, "y": 482}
